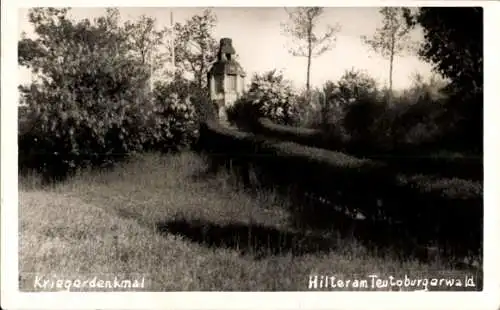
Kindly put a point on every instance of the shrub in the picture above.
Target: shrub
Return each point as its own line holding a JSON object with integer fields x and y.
{"x": 308, "y": 110}
{"x": 178, "y": 85}
{"x": 354, "y": 113}
{"x": 315, "y": 110}
{"x": 465, "y": 118}
{"x": 409, "y": 123}
{"x": 444, "y": 206}
{"x": 90, "y": 104}
{"x": 331, "y": 103}
{"x": 68, "y": 128}
{"x": 269, "y": 96}
{"x": 363, "y": 123}
{"x": 305, "y": 136}
{"x": 352, "y": 86}
{"x": 433, "y": 88}
{"x": 174, "y": 123}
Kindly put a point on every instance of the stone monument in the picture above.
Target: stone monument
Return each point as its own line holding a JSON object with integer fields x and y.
{"x": 226, "y": 79}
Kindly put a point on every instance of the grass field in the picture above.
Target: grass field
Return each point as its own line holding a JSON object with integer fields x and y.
{"x": 162, "y": 217}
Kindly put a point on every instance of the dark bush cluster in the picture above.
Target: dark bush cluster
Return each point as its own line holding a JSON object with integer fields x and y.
{"x": 427, "y": 117}
{"x": 305, "y": 136}
{"x": 90, "y": 103}
{"x": 58, "y": 136}
{"x": 94, "y": 117}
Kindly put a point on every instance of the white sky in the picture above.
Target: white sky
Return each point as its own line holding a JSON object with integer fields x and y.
{"x": 258, "y": 40}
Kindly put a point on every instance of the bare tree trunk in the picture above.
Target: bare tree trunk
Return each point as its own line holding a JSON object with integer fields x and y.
{"x": 391, "y": 63}
{"x": 200, "y": 81}
{"x": 390, "y": 77}
{"x": 308, "y": 83}
{"x": 309, "y": 56}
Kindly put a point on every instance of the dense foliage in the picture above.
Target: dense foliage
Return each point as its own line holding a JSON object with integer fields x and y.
{"x": 175, "y": 123}
{"x": 270, "y": 96}
{"x": 90, "y": 104}
{"x": 455, "y": 48}
{"x": 354, "y": 115}
{"x": 195, "y": 47}
{"x": 352, "y": 85}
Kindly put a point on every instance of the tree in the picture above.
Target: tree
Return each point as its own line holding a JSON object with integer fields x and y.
{"x": 87, "y": 104}
{"x": 453, "y": 43}
{"x": 352, "y": 86}
{"x": 195, "y": 47}
{"x": 392, "y": 39}
{"x": 301, "y": 28}
{"x": 61, "y": 41}
{"x": 145, "y": 42}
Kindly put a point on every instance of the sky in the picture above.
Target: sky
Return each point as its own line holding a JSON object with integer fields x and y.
{"x": 261, "y": 46}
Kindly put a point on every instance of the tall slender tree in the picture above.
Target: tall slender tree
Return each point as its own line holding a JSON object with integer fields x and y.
{"x": 308, "y": 43}
{"x": 392, "y": 39}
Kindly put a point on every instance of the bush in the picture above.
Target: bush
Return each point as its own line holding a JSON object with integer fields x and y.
{"x": 174, "y": 123}
{"x": 269, "y": 96}
{"x": 305, "y": 136}
{"x": 178, "y": 85}
{"x": 90, "y": 104}
{"x": 408, "y": 135}
{"x": 315, "y": 110}
{"x": 352, "y": 86}
{"x": 352, "y": 112}
{"x": 329, "y": 105}
{"x": 432, "y": 88}
{"x": 94, "y": 118}
{"x": 364, "y": 123}
{"x": 62, "y": 136}
{"x": 465, "y": 118}
{"x": 444, "y": 206}
{"x": 412, "y": 122}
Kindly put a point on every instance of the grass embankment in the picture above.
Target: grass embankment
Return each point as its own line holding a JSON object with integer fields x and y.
{"x": 160, "y": 216}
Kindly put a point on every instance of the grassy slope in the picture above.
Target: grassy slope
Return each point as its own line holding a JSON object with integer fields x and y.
{"x": 116, "y": 222}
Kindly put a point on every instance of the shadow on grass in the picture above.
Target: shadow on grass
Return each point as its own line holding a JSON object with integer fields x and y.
{"x": 260, "y": 241}
{"x": 256, "y": 240}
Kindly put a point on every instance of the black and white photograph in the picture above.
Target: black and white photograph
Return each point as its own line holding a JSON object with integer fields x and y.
{"x": 249, "y": 149}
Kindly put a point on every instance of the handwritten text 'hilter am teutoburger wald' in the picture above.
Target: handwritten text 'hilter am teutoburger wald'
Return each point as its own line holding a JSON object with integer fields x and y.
{"x": 375, "y": 282}
{"x": 87, "y": 283}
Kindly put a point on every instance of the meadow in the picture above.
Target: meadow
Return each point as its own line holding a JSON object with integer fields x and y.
{"x": 165, "y": 217}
